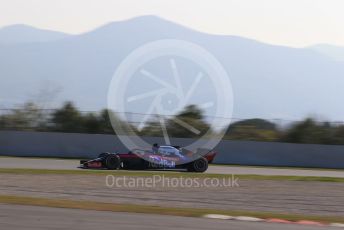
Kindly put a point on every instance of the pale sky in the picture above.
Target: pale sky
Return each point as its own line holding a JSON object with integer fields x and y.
{"x": 295, "y": 23}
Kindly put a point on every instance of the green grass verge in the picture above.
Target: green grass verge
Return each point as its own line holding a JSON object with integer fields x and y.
{"x": 189, "y": 212}
{"x": 278, "y": 167}
{"x": 166, "y": 174}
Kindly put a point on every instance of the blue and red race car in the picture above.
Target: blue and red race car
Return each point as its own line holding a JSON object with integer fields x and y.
{"x": 160, "y": 157}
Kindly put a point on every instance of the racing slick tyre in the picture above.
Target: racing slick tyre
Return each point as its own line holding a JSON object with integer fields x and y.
{"x": 103, "y": 155}
{"x": 200, "y": 165}
{"x": 112, "y": 162}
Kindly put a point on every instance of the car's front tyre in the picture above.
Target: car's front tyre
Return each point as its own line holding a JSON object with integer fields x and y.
{"x": 112, "y": 162}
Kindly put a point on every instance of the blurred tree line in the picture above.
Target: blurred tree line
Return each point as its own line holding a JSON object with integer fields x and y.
{"x": 68, "y": 118}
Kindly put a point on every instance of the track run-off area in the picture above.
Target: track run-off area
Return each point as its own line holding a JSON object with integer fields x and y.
{"x": 289, "y": 198}
{"x": 72, "y": 164}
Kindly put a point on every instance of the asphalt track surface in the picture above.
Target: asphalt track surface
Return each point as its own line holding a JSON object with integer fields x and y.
{"x": 36, "y": 218}
{"x": 38, "y": 163}
{"x": 310, "y": 198}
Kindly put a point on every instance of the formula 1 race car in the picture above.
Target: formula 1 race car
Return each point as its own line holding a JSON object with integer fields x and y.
{"x": 160, "y": 157}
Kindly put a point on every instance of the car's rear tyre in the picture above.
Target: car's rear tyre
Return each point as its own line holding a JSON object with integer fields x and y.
{"x": 200, "y": 165}
{"x": 112, "y": 162}
{"x": 143, "y": 165}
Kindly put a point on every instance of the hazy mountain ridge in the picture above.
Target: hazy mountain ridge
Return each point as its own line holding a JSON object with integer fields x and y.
{"x": 27, "y": 34}
{"x": 332, "y": 51}
{"x": 269, "y": 81}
